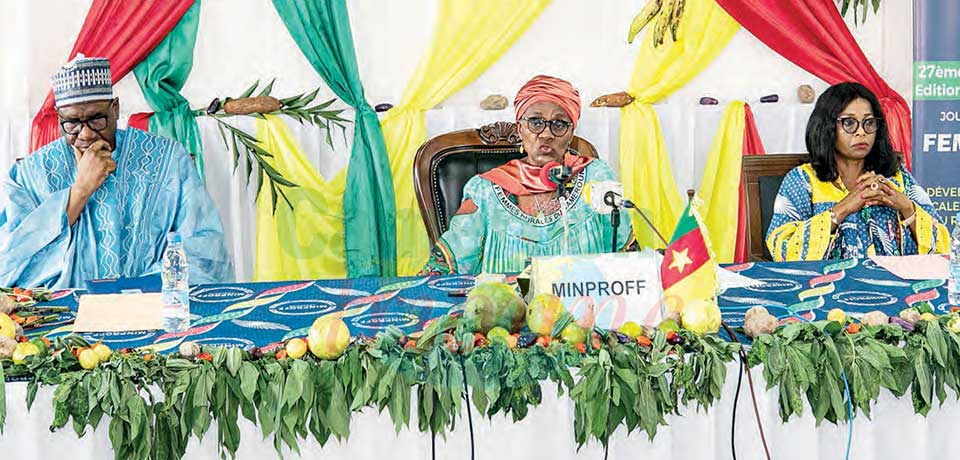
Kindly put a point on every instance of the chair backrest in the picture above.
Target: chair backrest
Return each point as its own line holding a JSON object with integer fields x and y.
{"x": 444, "y": 164}
{"x": 762, "y": 176}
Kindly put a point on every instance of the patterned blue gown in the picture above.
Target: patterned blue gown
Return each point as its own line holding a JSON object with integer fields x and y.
{"x": 122, "y": 230}
{"x": 800, "y": 227}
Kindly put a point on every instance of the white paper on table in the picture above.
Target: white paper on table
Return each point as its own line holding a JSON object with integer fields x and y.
{"x": 118, "y": 312}
{"x": 920, "y": 267}
{"x": 731, "y": 280}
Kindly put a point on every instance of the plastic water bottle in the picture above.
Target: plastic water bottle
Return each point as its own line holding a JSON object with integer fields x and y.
{"x": 176, "y": 289}
{"x": 953, "y": 284}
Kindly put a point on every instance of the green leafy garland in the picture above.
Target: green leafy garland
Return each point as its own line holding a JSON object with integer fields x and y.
{"x": 806, "y": 359}
{"x": 633, "y": 384}
{"x": 291, "y": 399}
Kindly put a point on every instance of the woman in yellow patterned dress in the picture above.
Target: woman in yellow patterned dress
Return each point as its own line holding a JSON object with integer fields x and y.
{"x": 854, "y": 198}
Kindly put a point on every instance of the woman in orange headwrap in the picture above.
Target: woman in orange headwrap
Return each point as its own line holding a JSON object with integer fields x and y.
{"x": 514, "y": 212}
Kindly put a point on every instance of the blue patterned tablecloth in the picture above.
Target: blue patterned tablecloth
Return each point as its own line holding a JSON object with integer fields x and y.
{"x": 798, "y": 291}
{"x": 266, "y": 314}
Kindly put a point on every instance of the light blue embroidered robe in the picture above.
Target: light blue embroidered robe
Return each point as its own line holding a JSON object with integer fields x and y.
{"x": 122, "y": 230}
{"x": 500, "y": 238}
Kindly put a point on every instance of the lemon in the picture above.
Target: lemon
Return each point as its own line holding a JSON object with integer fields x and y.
{"x": 103, "y": 352}
{"x": 701, "y": 317}
{"x": 296, "y": 348}
{"x": 631, "y": 329}
{"x": 954, "y": 324}
{"x": 22, "y": 350}
{"x": 573, "y": 333}
{"x": 837, "y": 315}
{"x": 668, "y": 325}
{"x": 8, "y": 328}
{"x": 88, "y": 359}
{"x": 498, "y": 333}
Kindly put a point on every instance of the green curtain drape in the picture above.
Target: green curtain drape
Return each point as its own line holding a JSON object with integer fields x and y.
{"x": 321, "y": 28}
{"x": 162, "y": 75}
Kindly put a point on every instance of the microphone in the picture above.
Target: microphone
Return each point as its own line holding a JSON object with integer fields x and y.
{"x": 603, "y": 196}
{"x": 606, "y": 196}
{"x": 555, "y": 176}
{"x": 560, "y": 174}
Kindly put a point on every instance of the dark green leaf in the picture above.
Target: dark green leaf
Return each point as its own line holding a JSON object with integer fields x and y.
{"x": 936, "y": 342}
{"x": 924, "y": 382}
{"x": 32, "y": 388}
{"x": 234, "y": 360}
{"x": 266, "y": 91}
{"x": 250, "y": 90}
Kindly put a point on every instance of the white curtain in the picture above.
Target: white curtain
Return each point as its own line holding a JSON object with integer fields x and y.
{"x": 894, "y": 432}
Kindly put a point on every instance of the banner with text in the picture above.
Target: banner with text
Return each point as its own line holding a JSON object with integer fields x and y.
{"x": 936, "y": 103}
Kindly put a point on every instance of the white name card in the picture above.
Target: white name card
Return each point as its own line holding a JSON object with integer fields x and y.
{"x": 621, "y": 287}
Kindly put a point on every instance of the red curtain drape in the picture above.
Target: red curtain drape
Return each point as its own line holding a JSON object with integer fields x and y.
{"x": 123, "y": 32}
{"x": 812, "y": 35}
{"x": 140, "y": 120}
{"x": 752, "y": 145}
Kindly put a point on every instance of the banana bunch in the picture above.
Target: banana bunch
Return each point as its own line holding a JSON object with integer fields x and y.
{"x": 665, "y": 14}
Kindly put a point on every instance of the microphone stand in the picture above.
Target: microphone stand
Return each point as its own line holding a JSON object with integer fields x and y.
{"x": 610, "y": 200}
{"x": 615, "y": 223}
{"x": 560, "y": 175}
{"x": 566, "y": 230}
{"x": 629, "y": 205}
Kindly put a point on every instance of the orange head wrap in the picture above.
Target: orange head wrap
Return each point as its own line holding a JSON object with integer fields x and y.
{"x": 550, "y": 89}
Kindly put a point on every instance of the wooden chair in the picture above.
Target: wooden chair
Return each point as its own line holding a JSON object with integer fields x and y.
{"x": 444, "y": 164}
{"x": 762, "y": 176}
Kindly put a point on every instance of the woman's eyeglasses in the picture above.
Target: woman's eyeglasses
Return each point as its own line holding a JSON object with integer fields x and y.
{"x": 850, "y": 125}
{"x": 536, "y": 125}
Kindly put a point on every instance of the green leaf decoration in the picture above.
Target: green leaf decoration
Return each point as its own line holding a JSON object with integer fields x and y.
{"x": 244, "y": 145}
{"x": 617, "y": 384}
{"x": 858, "y": 6}
{"x": 266, "y": 90}
{"x": 250, "y": 90}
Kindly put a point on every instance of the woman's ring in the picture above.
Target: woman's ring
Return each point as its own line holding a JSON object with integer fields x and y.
{"x": 874, "y": 186}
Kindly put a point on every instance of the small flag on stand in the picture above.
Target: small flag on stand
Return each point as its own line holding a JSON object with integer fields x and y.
{"x": 689, "y": 274}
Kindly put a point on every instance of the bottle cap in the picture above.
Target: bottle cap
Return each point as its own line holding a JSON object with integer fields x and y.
{"x": 173, "y": 237}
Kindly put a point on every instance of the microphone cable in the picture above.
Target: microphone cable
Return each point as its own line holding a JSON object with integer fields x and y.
{"x": 756, "y": 408}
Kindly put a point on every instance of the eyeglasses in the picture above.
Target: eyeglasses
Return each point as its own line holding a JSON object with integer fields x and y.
{"x": 850, "y": 125}
{"x": 536, "y": 125}
{"x": 97, "y": 123}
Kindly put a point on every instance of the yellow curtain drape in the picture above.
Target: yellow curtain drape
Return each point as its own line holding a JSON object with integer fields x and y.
{"x": 720, "y": 186}
{"x": 305, "y": 241}
{"x": 705, "y": 29}
{"x": 470, "y": 35}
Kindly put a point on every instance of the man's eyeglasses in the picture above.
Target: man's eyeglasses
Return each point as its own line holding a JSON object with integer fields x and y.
{"x": 850, "y": 125}
{"x": 97, "y": 123}
{"x": 536, "y": 125}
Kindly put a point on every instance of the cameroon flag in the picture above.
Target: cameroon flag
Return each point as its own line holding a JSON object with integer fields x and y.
{"x": 688, "y": 272}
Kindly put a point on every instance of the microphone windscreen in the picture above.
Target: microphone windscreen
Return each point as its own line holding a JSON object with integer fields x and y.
{"x": 595, "y": 192}
{"x": 545, "y": 175}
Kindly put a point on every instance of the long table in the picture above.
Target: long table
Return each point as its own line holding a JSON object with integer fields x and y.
{"x": 265, "y": 314}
